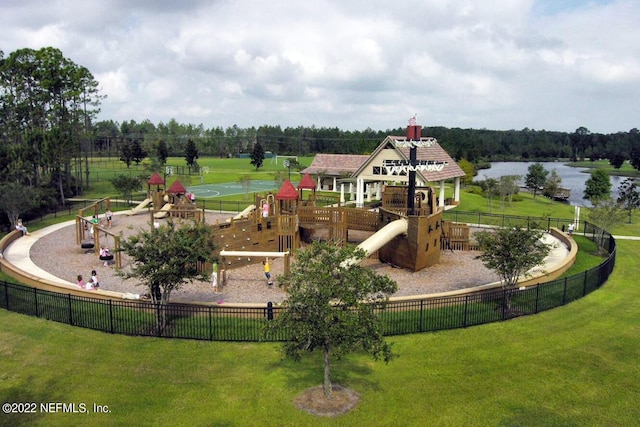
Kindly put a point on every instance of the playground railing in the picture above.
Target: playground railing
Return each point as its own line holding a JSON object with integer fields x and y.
{"x": 246, "y": 323}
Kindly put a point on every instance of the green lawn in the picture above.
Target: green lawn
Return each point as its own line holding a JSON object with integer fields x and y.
{"x": 576, "y": 365}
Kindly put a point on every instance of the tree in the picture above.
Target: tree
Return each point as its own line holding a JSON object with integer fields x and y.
{"x": 598, "y": 187}
{"x": 468, "y": 169}
{"x": 617, "y": 160}
{"x": 511, "y": 253}
{"x": 331, "y": 305}
{"x": 536, "y": 177}
{"x": 166, "y": 258}
{"x": 553, "y": 184}
{"x": 634, "y": 156}
{"x": 628, "y": 197}
{"x": 605, "y": 215}
{"x": 138, "y": 153}
{"x": 489, "y": 188}
{"x": 257, "y": 155}
{"x": 162, "y": 152}
{"x": 126, "y": 185}
{"x": 507, "y": 187}
{"x": 126, "y": 153}
{"x": 16, "y": 199}
{"x": 191, "y": 152}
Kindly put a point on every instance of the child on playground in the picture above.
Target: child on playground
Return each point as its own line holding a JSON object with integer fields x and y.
{"x": 108, "y": 216}
{"x": 94, "y": 280}
{"x": 80, "y": 282}
{"x": 105, "y": 255}
{"x": 267, "y": 271}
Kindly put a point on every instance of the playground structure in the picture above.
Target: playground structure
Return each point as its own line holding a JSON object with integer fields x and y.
{"x": 175, "y": 202}
{"x": 408, "y": 230}
{"x": 89, "y": 233}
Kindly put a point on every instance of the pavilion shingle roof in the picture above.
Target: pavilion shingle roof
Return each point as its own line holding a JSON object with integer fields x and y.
{"x": 335, "y": 164}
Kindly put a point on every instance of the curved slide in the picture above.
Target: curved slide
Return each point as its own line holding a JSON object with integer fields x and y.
{"x": 164, "y": 211}
{"x": 382, "y": 237}
{"x": 140, "y": 207}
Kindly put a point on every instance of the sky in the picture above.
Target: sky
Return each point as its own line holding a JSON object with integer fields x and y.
{"x": 352, "y": 64}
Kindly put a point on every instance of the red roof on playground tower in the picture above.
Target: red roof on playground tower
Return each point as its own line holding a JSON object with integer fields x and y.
{"x": 306, "y": 183}
{"x": 287, "y": 192}
{"x": 155, "y": 179}
{"x": 177, "y": 188}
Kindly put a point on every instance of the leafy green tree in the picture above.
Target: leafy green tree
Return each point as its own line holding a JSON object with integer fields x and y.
{"x": 617, "y": 160}
{"x": 126, "y": 153}
{"x": 536, "y": 177}
{"x": 605, "y": 215}
{"x": 507, "y": 187}
{"x": 628, "y": 197}
{"x": 553, "y": 184}
{"x": 166, "y": 258}
{"x": 469, "y": 170}
{"x": 191, "y": 152}
{"x": 489, "y": 188}
{"x": 138, "y": 153}
{"x": 332, "y": 306}
{"x": 126, "y": 185}
{"x": 597, "y": 187}
{"x": 257, "y": 155}
{"x": 634, "y": 156}
{"x": 16, "y": 199}
{"x": 162, "y": 152}
{"x": 511, "y": 253}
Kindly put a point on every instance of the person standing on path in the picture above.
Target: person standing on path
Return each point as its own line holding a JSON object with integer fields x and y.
{"x": 214, "y": 276}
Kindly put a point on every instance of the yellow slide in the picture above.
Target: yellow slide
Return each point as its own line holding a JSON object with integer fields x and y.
{"x": 140, "y": 207}
{"x": 164, "y": 211}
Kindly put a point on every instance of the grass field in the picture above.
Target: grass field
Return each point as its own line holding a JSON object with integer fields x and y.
{"x": 572, "y": 366}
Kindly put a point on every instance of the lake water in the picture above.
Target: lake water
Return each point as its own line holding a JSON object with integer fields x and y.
{"x": 572, "y": 178}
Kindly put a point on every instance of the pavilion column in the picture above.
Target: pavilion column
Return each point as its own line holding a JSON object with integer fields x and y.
{"x": 318, "y": 185}
{"x": 378, "y": 190}
{"x": 441, "y": 198}
{"x": 359, "y": 193}
{"x": 342, "y": 193}
{"x": 456, "y": 190}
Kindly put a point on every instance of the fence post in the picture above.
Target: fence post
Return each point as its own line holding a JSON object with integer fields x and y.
{"x": 111, "y": 316}
{"x": 210, "y": 323}
{"x": 564, "y": 292}
{"x": 466, "y": 310}
{"x": 35, "y": 300}
{"x": 70, "y": 309}
{"x": 421, "y": 321}
{"x": 537, "y": 298}
{"x": 6, "y": 295}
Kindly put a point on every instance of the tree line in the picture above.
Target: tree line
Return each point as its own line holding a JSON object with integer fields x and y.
{"x": 49, "y": 132}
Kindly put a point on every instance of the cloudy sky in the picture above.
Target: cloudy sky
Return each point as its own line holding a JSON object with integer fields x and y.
{"x": 352, "y": 64}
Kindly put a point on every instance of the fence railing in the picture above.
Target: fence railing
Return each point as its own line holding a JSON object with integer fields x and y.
{"x": 219, "y": 323}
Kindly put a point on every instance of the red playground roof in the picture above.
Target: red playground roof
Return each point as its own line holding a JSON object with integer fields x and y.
{"x": 287, "y": 192}
{"x": 177, "y": 188}
{"x": 155, "y": 179}
{"x": 306, "y": 183}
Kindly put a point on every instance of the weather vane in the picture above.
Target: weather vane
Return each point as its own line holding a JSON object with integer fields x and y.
{"x": 413, "y": 120}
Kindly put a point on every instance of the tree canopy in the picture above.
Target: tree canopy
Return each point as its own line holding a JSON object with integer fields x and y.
{"x": 331, "y": 305}
{"x": 511, "y": 253}
{"x": 257, "y": 155}
{"x": 165, "y": 258}
{"x": 536, "y": 177}
{"x": 597, "y": 187}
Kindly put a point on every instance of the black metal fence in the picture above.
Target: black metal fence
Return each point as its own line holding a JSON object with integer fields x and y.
{"x": 222, "y": 323}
